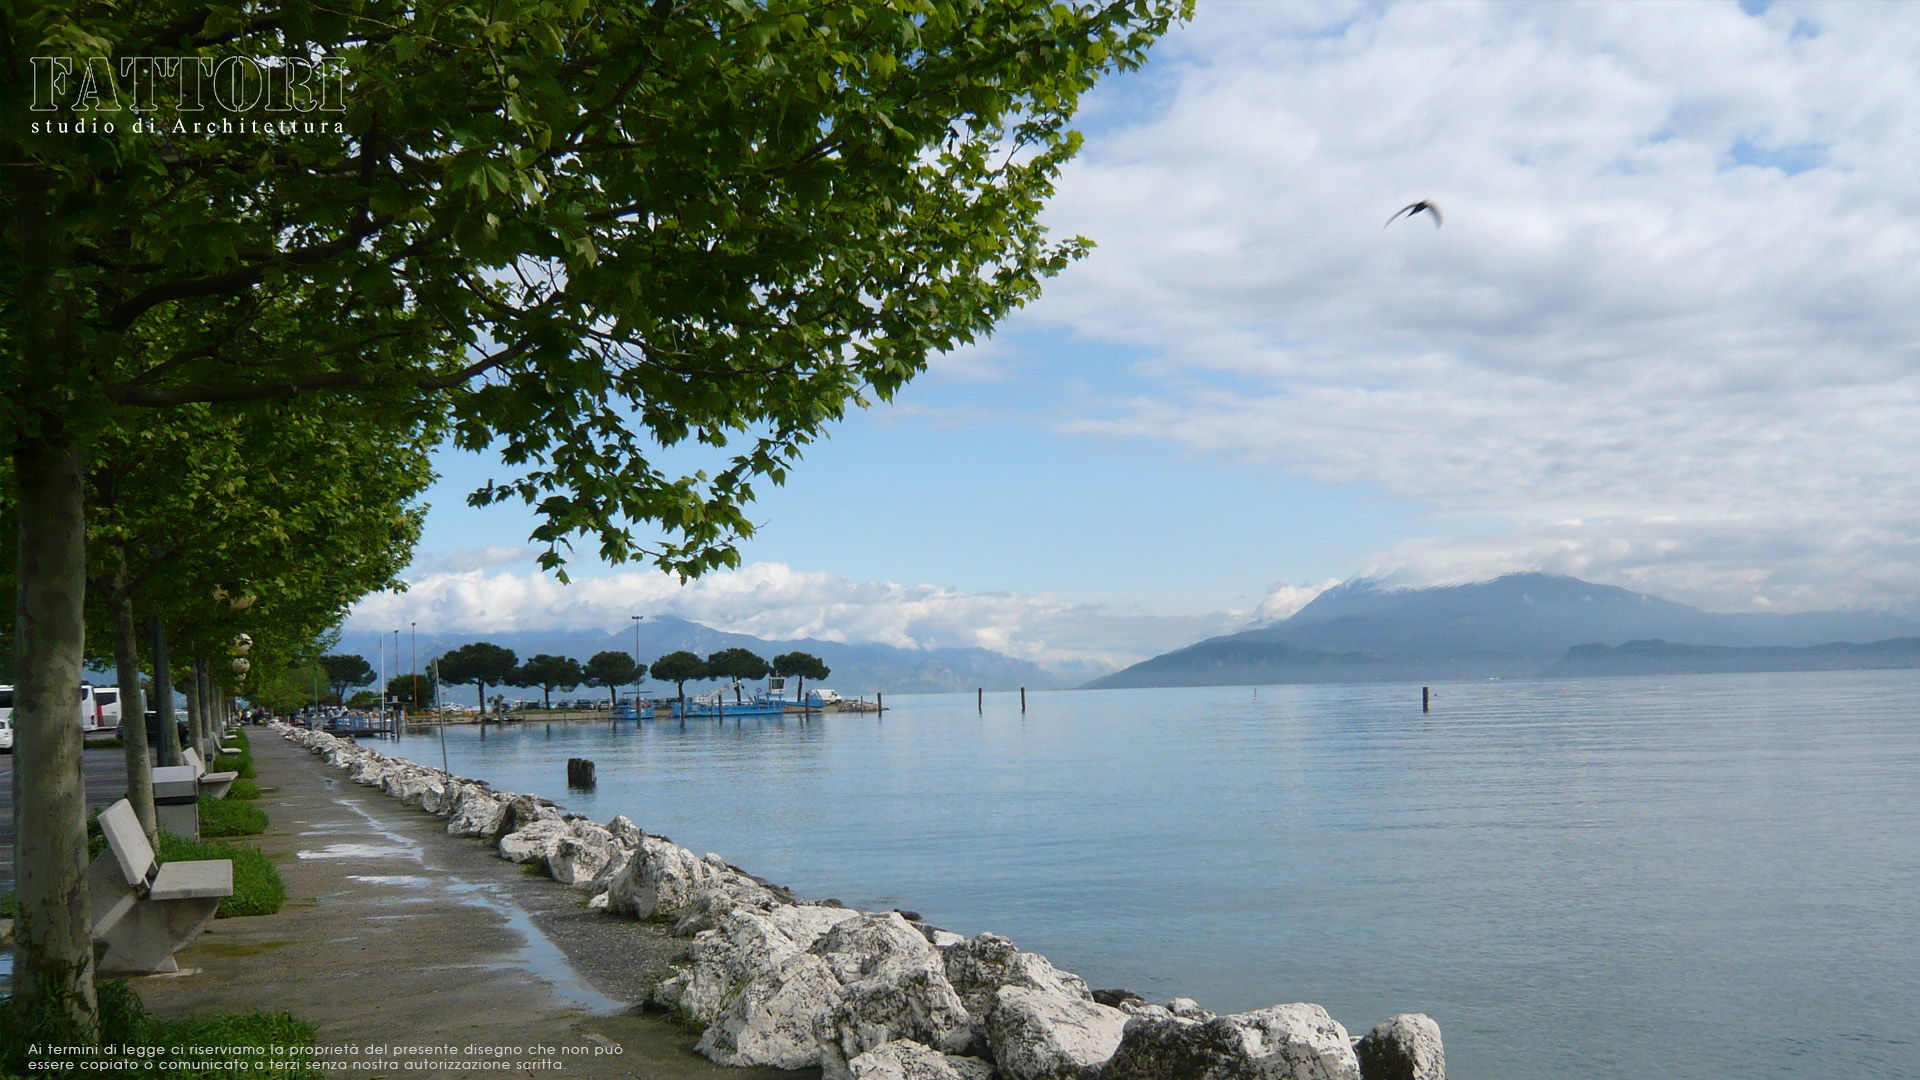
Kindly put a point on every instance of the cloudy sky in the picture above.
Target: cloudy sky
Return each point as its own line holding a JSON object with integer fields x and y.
{"x": 1666, "y": 340}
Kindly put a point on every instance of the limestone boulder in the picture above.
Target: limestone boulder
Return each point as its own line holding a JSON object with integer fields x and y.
{"x": 438, "y": 795}
{"x": 1285, "y": 1042}
{"x": 624, "y": 831}
{"x": 535, "y": 842}
{"x": 477, "y": 812}
{"x": 979, "y": 966}
{"x": 663, "y": 878}
{"x": 578, "y": 857}
{"x": 369, "y": 770}
{"x": 775, "y": 1018}
{"x": 893, "y": 985}
{"x": 745, "y": 946}
{"x": 904, "y": 1059}
{"x": 1403, "y": 1047}
{"x": 521, "y": 811}
{"x": 1039, "y": 1035}
{"x": 1188, "y": 1009}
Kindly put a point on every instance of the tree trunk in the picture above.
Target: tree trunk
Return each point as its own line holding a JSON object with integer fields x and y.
{"x": 53, "y": 951}
{"x": 163, "y": 696}
{"x": 133, "y": 711}
{"x": 194, "y": 707}
{"x": 203, "y": 725}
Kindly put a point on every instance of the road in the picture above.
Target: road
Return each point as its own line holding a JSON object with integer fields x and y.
{"x": 106, "y": 772}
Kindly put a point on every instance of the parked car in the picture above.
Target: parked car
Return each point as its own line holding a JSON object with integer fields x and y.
{"x": 6, "y": 735}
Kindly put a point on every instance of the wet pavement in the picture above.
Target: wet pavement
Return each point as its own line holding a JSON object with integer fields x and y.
{"x": 397, "y": 935}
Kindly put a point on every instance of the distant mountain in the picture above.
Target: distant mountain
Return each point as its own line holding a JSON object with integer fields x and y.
{"x": 1520, "y": 624}
{"x": 860, "y": 669}
{"x": 1658, "y": 657}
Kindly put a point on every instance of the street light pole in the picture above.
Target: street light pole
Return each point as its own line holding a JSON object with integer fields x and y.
{"x": 636, "y": 669}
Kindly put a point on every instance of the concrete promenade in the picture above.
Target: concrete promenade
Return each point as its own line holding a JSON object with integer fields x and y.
{"x": 397, "y": 935}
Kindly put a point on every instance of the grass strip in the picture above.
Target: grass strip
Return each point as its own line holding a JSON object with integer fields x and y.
{"x": 257, "y": 888}
{"x": 225, "y": 817}
{"x": 234, "y": 1046}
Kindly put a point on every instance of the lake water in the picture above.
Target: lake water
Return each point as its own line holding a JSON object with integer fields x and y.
{"x": 1681, "y": 877}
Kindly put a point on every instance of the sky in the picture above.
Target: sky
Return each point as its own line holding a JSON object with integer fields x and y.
{"x": 1666, "y": 339}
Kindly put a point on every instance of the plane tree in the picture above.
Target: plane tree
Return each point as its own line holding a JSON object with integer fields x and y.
{"x": 592, "y": 230}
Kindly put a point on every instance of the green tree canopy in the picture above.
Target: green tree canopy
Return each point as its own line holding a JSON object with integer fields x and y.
{"x": 592, "y": 229}
{"x": 680, "y": 668}
{"x": 345, "y": 670}
{"x": 613, "y": 669}
{"x": 550, "y": 673}
{"x": 737, "y": 663}
{"x": 481, "y": 663}
{"x": 414, "y": 692}
{"x": 801, "y": 666}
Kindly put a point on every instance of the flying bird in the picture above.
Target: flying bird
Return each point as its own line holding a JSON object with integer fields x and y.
{"x": 1414, "y": 208}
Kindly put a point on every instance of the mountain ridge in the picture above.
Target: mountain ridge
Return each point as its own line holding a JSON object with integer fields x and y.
{"x": 1513, "y": 625}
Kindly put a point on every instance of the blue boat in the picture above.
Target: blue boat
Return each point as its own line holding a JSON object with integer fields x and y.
{"x": 729, "y": 702}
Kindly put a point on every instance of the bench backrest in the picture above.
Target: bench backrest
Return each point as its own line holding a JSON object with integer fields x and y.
{"x": 128, "y": 842}
{"x": 192, "y": 757}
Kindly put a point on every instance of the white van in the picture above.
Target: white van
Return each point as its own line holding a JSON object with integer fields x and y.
{"x": 99, "y": 710}
{"x": 99, "y": 707}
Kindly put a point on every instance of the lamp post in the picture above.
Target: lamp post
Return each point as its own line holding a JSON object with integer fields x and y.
{"x": 413, "y": 628}
{"x": 636, "y": 669}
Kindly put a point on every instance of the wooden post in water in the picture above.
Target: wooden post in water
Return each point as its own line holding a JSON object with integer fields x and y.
{"x": 1425, "y": 698}
{"x": 1023, "y": 699}
{"x": 579, "y": 773}
{"x": 980, "y": 699}
{"x": 879, "y": 703}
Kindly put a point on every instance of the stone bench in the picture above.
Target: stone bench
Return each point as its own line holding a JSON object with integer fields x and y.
{"x": 212, "y": 784}
{"x": 143, "y": 911}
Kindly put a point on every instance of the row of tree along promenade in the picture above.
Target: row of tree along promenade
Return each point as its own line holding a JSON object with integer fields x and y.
{"x": 482, "y": 664}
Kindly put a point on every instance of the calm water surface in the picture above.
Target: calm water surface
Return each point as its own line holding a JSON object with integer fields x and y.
{"x": 1705, "y": 876}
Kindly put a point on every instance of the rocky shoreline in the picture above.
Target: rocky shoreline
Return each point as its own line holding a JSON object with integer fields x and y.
{"x": 774, "y": 980}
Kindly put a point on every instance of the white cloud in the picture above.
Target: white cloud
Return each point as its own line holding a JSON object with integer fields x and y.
{"x": 772, "y": 600}
{"x": 1668, "y": 330}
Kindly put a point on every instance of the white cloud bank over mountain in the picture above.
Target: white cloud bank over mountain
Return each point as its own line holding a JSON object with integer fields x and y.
{"x": 772, "y": 600}
{"x": 1669, "y": 330}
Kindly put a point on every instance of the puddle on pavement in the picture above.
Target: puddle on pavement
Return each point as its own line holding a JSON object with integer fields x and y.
{"x": 541, "y": 958}
{"x": 408, "y": 880}
{"x": 359, "y": 851}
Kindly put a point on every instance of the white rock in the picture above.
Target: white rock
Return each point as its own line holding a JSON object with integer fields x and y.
{"x": 806, "y": 923}
{"x": 598, "y": 902}
{"x": 534, "y": 843}
{"x": 624, "y": 831}
{"x": 775, "y": 1019}
{"x": 745, "y": 946}
{"x": 893, "y": 985}
{"x": 477, "y": 812}
{"x": 1188, "y": 1009}
{"x": 1402, "y": 1047}
{"x": 664, "y": 878}
{"x": 579, "y": 856}
{"x": 1286, "y": 1042}
{"x": 904, "y": 1059}
{"x": 979, "y": 966}
{"x": 1038, "y": 1035}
